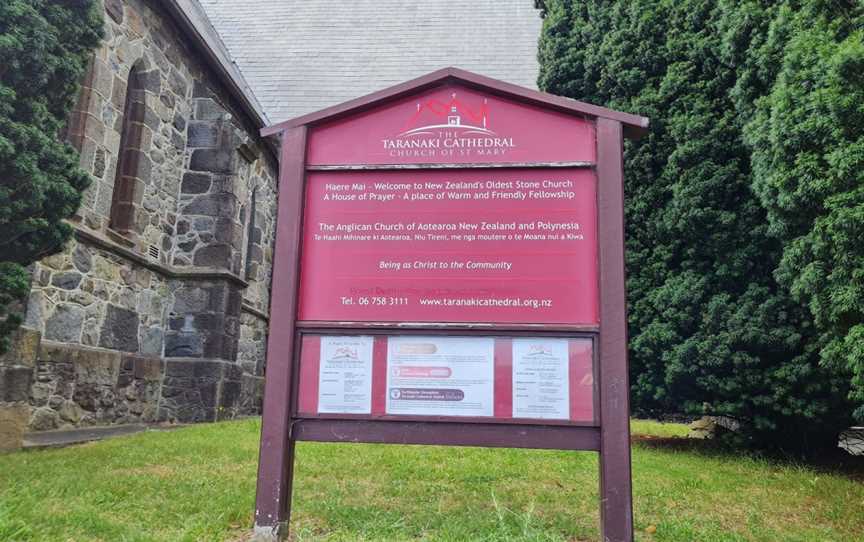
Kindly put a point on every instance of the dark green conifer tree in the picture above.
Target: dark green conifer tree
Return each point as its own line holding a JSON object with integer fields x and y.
{"x": 712, "y": 331}
{"x": 800, "y": 96}
{"x": 44, "y": 49}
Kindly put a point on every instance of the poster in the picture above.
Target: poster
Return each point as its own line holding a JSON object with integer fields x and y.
{"x": 440, "y": 376}
{"x": 345, "y": 375}
{"x": 541, "y": 379}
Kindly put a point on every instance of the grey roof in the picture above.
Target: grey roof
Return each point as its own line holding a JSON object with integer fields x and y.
{"x": 300, "y": 56}
{"x": 190, "y": 15}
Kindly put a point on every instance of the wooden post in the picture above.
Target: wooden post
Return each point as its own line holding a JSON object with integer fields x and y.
{"x": 276, "y": 458}
{"x": 616, "y": 498}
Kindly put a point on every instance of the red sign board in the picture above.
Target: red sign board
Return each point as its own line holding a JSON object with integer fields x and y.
{"x": 453, "y": 125}
{"x": 449, "y": 270}
{"x": 497, "y": 246}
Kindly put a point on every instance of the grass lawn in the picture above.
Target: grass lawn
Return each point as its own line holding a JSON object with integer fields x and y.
{"x": 198, "y": 483}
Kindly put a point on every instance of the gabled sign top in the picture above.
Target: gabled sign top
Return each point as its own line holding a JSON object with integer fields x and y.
{"x": 634, "y": 125}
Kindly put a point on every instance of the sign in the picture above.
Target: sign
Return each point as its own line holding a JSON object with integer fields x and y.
{"x": 449, "y": 270}
{"x": 500, "y": 246}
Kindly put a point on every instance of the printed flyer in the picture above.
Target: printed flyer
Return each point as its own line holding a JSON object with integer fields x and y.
{"x": 440, "y": 376}
{"x": 541, "y": 383}
{"x": 345, "y": 375}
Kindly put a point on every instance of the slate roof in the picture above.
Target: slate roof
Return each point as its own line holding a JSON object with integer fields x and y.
{"x": 194, "y": 21}
{"x": 300, "y": 56}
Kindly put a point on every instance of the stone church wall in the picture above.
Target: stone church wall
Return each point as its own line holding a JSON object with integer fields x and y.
{"x": 166, "y": 320}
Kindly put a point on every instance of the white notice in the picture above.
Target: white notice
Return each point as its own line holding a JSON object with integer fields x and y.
{"x": 345, "y": 375}
{"x": 440, "y": 376}
{"x": 541, "y": 379}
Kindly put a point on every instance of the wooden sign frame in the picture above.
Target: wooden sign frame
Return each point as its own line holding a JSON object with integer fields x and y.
{"x": 610, "y": 435}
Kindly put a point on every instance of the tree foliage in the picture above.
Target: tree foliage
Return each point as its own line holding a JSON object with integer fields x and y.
{"x": 44, "y": 47}
{"x": 712, "y": 330}
{"x": 806, "y": 133}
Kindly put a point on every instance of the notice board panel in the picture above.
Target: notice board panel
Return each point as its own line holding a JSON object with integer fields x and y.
{"x": 487, "y": 245}
{"x": 489, "y": 379}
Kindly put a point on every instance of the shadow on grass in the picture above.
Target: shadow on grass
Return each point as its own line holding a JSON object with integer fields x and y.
{"x": 830, "y": 462}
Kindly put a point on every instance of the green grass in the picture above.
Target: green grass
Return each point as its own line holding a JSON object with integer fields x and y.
{"x": 198, "y": 483}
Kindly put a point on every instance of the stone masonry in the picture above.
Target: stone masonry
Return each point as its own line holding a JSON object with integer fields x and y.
{"x": 165, "y": 318}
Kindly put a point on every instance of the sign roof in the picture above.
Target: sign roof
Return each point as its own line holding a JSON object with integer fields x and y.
{"x": 634, "y": 125}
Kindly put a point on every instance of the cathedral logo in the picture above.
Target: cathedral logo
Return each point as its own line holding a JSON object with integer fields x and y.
{"x": 440, "y": 129}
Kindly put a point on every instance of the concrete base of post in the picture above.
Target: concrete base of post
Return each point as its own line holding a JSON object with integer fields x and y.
{"x": 269, "y": 533}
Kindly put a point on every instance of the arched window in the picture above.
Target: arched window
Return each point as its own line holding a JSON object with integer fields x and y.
{"x": 128, "y": 187}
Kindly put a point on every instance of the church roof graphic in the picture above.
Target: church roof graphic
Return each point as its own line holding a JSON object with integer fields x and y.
{"x": 435, "y": 114}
